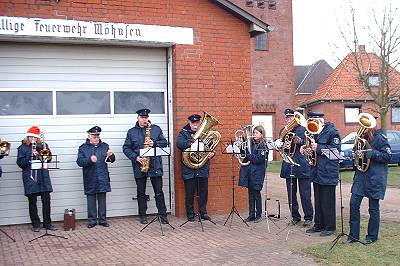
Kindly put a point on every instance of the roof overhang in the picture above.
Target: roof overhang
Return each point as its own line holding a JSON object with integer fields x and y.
{"x": 256, "y": 25}
{"x": 319, "y": 101}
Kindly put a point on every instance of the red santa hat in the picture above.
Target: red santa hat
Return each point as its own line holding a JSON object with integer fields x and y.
{"x": 34, "y": 131}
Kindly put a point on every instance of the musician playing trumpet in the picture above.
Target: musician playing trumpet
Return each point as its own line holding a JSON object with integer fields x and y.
{"x": 369, "y": 182}
{"x": 324, "y": 172}
{"x": 36, "y": 181}
{"x": 297, "y": 176}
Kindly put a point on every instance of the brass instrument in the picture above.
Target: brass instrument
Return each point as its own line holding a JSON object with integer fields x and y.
{"x": 313, "y": 127}
{"x": 45, "y": 153}
{"x": 361, "y": 144}
{"x": 210, "y": 138}
{"x": 4, "y": 147}
{"x": 145, "y": 164}
{"x": 243, "y": 142}
{"x": 286, "y": 136}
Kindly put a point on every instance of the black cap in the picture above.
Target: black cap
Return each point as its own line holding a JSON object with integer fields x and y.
{"x": 143, "y": 112}
{"x": 315, "y": 114}
{"x": 194, "y": 118}
{"x": 288, "y": 112}
{"x": 94, "y": 130}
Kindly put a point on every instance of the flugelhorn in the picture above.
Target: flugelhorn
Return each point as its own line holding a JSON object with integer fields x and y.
{"x": 286, "y": 136}
{"x": 366, "y": 121}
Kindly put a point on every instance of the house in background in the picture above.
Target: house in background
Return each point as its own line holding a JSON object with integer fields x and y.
{"x": 309, "y": 78}
{"x": 342, "y": 97}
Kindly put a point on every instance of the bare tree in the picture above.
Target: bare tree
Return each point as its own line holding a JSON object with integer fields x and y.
{"x": 377, "y": 70}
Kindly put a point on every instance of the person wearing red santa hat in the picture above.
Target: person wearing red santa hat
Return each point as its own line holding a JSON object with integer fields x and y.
{"x": 36, "y": 181}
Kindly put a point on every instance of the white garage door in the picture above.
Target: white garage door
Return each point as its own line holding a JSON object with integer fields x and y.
{"x": 65, "y": 90}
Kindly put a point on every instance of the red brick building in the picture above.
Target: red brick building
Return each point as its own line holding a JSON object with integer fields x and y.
{"x": 342, "y": 96}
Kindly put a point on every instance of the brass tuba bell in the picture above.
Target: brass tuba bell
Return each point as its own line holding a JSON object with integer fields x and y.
{"x": 366, "y": 121}
{"x": 4, "y": 148}
{"x": 210, "y": 138}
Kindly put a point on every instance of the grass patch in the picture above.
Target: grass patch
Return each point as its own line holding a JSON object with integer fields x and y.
{"x": 347, "y": 174}
{"x": 383, "y": 252}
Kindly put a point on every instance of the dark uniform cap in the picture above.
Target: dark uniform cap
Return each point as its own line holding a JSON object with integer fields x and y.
{"x": 94, "y": 131}
{"x": 194, "y": 118}
{"x": 143, "y": 112}
{"x": 315, "y": 114}
{"x": 288, "y": 112}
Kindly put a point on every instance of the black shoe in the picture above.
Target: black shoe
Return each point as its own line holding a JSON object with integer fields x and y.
{"x": 91, "y": 225}
{"x": 51, "y": 227}
{"x": 258, "y": 219}
{"x": 36, "y": 229}
{"x": 205, "y": 217}
{"x": 327, "y": 233}
{"x": 104, "y": 224}
{"x": 143, "y": 220}
{"x": 307, "y": 223}
{"x": 164, "y": 220}
{"x": 249, "y": 219}
{"x": 190, "y": 218}
{"x": 313, "y": 230}
{"x": 369, "y": 241}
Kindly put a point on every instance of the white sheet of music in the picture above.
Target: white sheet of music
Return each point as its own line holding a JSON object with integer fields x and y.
{"x": 232, "y": 149}
{"x": 197, "y": 146}
{"x": 332, "y": 154}
{"x": 151, "y": 152}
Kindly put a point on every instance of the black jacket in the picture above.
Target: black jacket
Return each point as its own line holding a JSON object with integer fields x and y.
{"x": 252, "y": 176}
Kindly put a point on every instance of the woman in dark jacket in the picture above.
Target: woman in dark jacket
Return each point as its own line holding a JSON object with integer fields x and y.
{"x": 252, "y": 176}
{"x": 93, "y": 156}
{"x": 36, "y": 181}
{"x": 370, "y": 184}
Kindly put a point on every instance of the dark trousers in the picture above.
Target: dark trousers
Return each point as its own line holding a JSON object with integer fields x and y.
{"x": 304, "y": 186}
{"x": 325, "y": 207}
{"x": 255, "y": 207}
{"x": 96, "y": 207}
{"x": 33, "y": 211}
{"x": 157, "y": 183}
{"x": 374, "y": 217}
{"x": 199, "y": 184}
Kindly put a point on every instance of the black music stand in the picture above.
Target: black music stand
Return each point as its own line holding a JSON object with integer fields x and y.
{"x": 333, "y": 154}
{"x": 195, "y": 147}
{"x": 154, "y": 152}
{"x": 234, "y": 151}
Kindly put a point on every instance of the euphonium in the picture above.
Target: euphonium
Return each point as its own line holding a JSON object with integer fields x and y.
{"x": 313, "y": 127}
{"x": 243, "y": 142}
{"x": 286, "y": 136}
{"x": 45, "y": 153}
{"x": 145, "y": 164}
{"x": 210, "y": 138}
{"x": 4, "y": 147}
{"x": 360, "y": 144}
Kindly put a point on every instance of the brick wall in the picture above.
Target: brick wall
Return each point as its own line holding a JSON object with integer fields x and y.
{"x": 213, "y": 75}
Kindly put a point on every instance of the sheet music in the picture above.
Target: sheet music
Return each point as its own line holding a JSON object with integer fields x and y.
{"x": 197, "y": 146}
{"x": 332, "y": 154}
{"x": 151, "y": 152}
{"x": 231, "y": 148}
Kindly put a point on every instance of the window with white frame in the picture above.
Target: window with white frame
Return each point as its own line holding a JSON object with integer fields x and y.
{"x": 26, "y": 103}
{"x": 351, "y": 113}
{"x": 396, "y": 114}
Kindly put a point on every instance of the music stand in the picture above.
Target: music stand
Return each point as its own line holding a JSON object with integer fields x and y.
{"x": 333, "y": 154}
{"x": 234, "y": 151}
{"x": 154, "y": 152}
{"x": 198, "y": 147}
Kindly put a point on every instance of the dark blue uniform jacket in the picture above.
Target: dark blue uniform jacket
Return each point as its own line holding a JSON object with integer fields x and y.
{"x": 134, "y": 142}
{"x": 43, "y": 182}
{"x": 303, "y": 170}
{"x": 184, "y": 141}
{"x": 252, "y": 175}
{"x": 96, "y": 178}
{"x": 326, "y": 172}
{"x": 372, "y": 183}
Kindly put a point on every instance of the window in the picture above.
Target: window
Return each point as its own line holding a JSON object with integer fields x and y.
{"x": 373, "y": 80}
{"x": 351, "y": 113}
{"x": 26, "y": 103}
{"x": 83, "y": 102}
{"x": 261, "y": 42}
{"x": 396, "y": 114}
{"x": 129, "y": 102}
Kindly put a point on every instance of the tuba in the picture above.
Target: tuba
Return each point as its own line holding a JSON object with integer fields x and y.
{"x": 145, "y": 165}
{"x": 286, "y": 136}
{"x": 243, "y": 142}
{"x": 313, "y": 127}
{"x": 210, "y": 138}
{"x": 360, "y": 144}
{"x": 45, "y": 153}
{"x": 4, "y": 147}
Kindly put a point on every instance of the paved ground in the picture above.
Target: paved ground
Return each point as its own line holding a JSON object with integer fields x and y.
{"x": 124, "y": 244}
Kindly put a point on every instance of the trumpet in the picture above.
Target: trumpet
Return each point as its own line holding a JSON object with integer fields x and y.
{"x": 4, "y": 147}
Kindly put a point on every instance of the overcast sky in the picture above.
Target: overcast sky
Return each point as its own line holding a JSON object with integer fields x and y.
{"x": 316, "y": 27}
